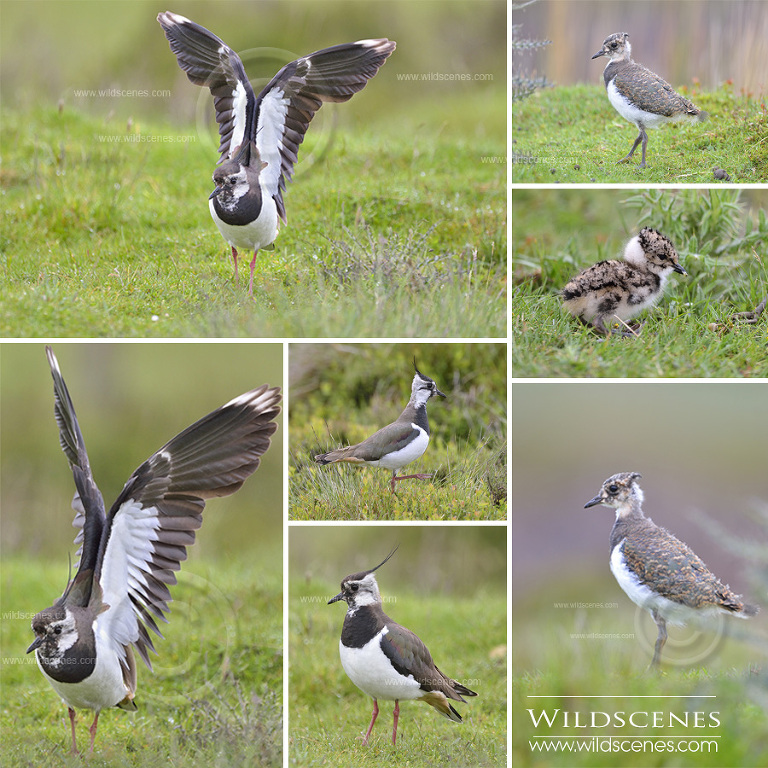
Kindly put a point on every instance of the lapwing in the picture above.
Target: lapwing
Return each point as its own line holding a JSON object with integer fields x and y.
{"x": 387, "y": 661}
{"x": 260, "y": 135}
{"x": 657, "y": 571}
{"x": 623, "y": 289}
{"x": 638, "y": 94}
{"x": 400, "y": 442}
{"x": 84, "y": 643}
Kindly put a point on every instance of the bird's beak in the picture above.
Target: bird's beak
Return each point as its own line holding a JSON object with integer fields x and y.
{"x": 438, "y": 392}
{"x": 338, "y": 597}
{"x": 594, "y": 502}
{"x": 36, "y": 643}
{"x": 679, "y": 269}
{"x": 601, "y": 52}
{"x": 215, "y": 192}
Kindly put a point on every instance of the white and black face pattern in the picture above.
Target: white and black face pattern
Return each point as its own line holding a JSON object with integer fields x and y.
{"x": 55, "y": 632}
{"x": 423, "y": 388}
{"x": 360, "y": 589}
{"x": 232, "y": 180}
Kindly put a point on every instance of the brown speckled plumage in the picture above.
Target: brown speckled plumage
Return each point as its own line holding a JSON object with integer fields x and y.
{"x": 623, "y": 288}
{"x": 670, "y": 567}
{"x": 658, "y": 571}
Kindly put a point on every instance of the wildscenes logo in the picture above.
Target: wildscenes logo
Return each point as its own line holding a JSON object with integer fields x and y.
{"x": 639, "y": 719}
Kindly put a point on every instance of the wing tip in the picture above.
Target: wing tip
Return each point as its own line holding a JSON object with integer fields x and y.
{"x": 380, "y": 43}
{"x": 169, "y": 18}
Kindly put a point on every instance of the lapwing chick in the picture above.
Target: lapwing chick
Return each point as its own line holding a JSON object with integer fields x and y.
{"x": 387, "y": 661}
{"x": 638, "y": 94}
{"x": 400, "y": 442}
{"x": 657, "y": 571}
{"x": 84, "y": 643}
{"x": 623, "y": 289}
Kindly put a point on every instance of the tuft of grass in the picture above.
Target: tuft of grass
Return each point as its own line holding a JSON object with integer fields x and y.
{"x": 573, "y": 135}
{"x": 342, "y": 395}
{"x": 692, "y": 332}
{"x": 105, "y": 237}
{"x": 468, "y": 483}
{"x": 214, "y": 699}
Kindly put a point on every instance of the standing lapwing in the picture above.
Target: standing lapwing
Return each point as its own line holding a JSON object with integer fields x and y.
{"x": 261, "y": 135}
{"x": 657, "y": 571}
{"x": 400, "y": 442}
{"x": 638, "y": 94}
{"x": 84, "y": 642}
{"x": 385, "y": 660}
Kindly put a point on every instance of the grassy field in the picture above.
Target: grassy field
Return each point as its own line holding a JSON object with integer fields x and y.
{"x": 720, "y": 235}
{"x": 557, "y": 656}
{"x": 341, "y": 395}
{"x": 573, "y": 135}
{"x": 457, "y": 591}
{"x": 394, "y": 232}
{"x": 215, "y": 698}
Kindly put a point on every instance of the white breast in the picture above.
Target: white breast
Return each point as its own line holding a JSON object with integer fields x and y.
{"x": 414, "y": 450}
{"x": 632, "y": 113}
{"x": 254, "y": 236}
{"x": 372, "y": 672}
{"x": 104, "y": 688}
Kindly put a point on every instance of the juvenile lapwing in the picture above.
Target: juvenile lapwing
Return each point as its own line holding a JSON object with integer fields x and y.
{"x": 261, "y": 135}
{"x": 657, "y": 571}
{"x": 400, "y": 442}
{"x": 85, "y": 641}
{"x": 638, "y": 94}
{"x": 623, "y": 288}
{"x": 387, "y": 661}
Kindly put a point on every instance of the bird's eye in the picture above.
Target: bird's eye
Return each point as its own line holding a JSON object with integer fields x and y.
{"x": 354, "y": 587}
{"x": 231, "y": 181}
{"x": 613, "y": 488}
{"x": 57, "y": 630}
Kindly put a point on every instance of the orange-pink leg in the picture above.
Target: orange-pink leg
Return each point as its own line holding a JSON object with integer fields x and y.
{"x": 408, "y": 477}
{"x": 373, "y": 720}
{"x": 93, "y": 730}
{"x": 253, "y": 265}
{"x": 234, "y": 258}
{"x": 73, "y": 751}
{"x": 395, "y": 718}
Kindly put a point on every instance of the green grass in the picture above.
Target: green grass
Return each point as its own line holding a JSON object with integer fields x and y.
{"x": 690, "y": 333}
{"x": 215, "y": 698}
{"x": 573, "y": 135}
{"x": 397, "y": 231}
{"x": 340, "y": 396}
{"x": 328, "y": 714}
{"x": 549, "y": 661}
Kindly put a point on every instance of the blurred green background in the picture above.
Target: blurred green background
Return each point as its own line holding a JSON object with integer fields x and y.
{"x": 130, "y": 400}
{"x": 121, "y": 45}
{"x": 347, "y": 384}
{"x": 448, "y": 584}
